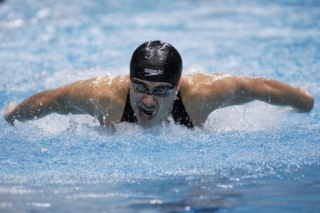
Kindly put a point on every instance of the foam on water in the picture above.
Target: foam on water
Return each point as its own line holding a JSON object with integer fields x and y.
{"x": 72, "y": 148}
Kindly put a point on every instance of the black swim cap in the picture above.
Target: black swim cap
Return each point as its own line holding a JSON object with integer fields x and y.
{"x": 156, "y": 61}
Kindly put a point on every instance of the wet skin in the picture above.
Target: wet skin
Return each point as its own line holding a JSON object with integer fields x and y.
{"x": 105, "y": 98}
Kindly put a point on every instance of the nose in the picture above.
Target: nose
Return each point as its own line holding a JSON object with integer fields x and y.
{"x": 149, "y": 100}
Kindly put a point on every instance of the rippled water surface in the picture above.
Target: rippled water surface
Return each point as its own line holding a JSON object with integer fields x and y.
{"x": 250, "y": 158}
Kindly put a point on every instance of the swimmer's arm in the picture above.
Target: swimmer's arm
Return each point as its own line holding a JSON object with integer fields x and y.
{"x": 246, "y": 89}
{"x": 102, "y": 97}
{"x": 41, "y": 104}
{"x": 75, "y": 98}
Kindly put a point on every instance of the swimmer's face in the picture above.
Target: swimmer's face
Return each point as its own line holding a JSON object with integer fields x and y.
{"x": 151, "y": 101}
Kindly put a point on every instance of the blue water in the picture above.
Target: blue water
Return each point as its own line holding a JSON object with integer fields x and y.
{"x": 250, "y": 158}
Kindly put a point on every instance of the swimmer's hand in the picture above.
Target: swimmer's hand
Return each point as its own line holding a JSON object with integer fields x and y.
{"x": 8, "y": 114}
{"x": 308, "y": 103}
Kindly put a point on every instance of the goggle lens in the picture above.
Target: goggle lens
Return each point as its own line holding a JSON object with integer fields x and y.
{"x": 158, "y": 91}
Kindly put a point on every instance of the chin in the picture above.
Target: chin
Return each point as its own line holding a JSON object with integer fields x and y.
{"x": 147, "y": 123}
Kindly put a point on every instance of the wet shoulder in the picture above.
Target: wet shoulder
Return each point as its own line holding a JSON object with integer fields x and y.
{"x": 196, "y": 83}
{"x": 110, "y": 95}
{"x": 113, "y": 88}
{"x": 118, "y": 82}
{"x": 197, "y": 90}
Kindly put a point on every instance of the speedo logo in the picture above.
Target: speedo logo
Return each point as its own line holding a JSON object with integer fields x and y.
{"x": 151, "y": 72}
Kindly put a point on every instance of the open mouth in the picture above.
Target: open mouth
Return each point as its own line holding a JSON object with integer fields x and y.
{"x": 145, "y": 113}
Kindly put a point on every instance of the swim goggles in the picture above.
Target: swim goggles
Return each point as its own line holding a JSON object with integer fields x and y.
{"x": 158, "y": 91}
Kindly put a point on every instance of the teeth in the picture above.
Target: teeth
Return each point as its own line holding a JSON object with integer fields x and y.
{"x": 147, "y": 112}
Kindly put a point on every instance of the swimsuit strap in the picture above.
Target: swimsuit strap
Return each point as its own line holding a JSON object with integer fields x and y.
{"x": 179, "y": 112}
{"x": 128, "y": 113}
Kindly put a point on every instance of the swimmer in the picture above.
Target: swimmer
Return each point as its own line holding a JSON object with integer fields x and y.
{"x": 155, "y": 90}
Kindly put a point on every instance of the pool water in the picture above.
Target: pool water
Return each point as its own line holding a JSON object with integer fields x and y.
{"x": 250, "y": 158}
